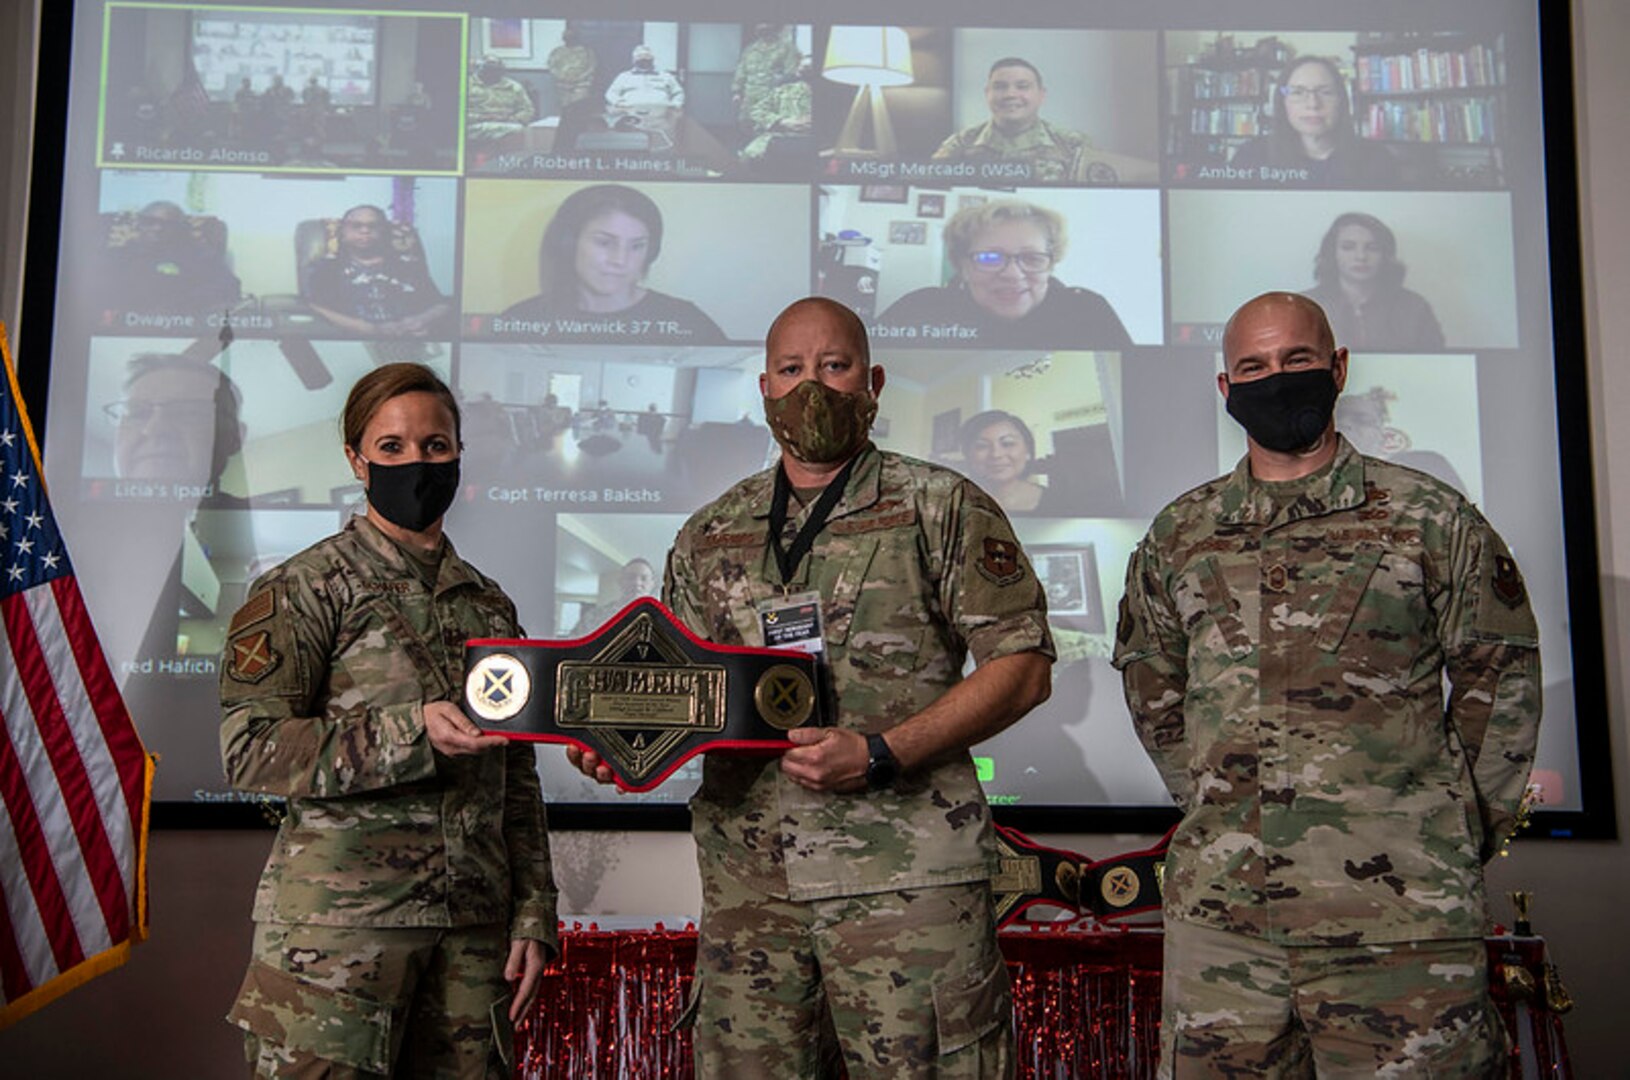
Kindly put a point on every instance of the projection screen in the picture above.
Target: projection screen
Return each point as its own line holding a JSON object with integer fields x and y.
{"x": 590, "y": 252}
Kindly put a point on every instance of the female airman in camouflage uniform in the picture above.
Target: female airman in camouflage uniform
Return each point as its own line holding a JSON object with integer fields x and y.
{"x": 408, "y": 905}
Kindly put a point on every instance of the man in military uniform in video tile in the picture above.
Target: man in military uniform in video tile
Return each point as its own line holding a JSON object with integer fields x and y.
{"x": 1016, "y": 132}
{"x": 1284, "y": 639}
{"x": 768, "y": 62}
{"x": 496, "y": 104}
{"x": 846, "y": 905}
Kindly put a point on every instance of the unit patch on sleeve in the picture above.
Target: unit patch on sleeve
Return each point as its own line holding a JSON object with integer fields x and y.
{"x": 1507, "y": 583}
{"x": 253, "y": 657}
{"x": 1000, "y": 561}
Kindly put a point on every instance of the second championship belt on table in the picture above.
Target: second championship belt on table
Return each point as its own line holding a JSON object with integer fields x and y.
{"x": 643, "y": 692}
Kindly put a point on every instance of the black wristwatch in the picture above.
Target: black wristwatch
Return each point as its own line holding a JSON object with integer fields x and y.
{"x": 882, "y": 767}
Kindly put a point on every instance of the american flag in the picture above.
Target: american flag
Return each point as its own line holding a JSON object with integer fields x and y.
{"x": 75, "y": 782}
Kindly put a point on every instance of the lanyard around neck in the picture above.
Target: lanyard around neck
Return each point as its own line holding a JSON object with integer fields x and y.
{"x": 787, "y": 559}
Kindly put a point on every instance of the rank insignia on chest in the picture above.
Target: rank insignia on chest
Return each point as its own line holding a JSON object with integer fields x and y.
{"x": 1000, "y": 561}
{"x": 253, "y": 657}
{"x": 1507, "y": 583}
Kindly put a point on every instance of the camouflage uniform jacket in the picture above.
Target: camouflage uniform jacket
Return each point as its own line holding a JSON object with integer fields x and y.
{"x": 572, "y": 67}
{"x": 505, "y": 101}
{"x": 916, "y": 568}
{"x": 1283, "y": 647}
{"x": 328, "y": 665}
{"x": 764, "y": 66}
{"x": 1054, "y": 153}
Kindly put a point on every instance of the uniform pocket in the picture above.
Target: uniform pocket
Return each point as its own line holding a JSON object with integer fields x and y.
{"x": 1223, "y": 609}
{"x": 968, "y": 1007}
{"x": 329, "y": 1024}
{"x": 503, "y": 1032}
{"x": 1345, "y": 599}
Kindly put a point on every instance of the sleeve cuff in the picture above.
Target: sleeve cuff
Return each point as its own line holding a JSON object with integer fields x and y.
{"x": 1026, "y": 632}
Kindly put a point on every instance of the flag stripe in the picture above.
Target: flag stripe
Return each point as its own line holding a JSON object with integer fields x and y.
{"x": 17, "y": 913}
{"x": 74, "y": 778}
{"x": 34, "y": 857}
{"x": 101, "y": 822}
{"x": 90, "y": 739}
{"x": 56, "y": 780}
{"x": 118, "y": 732}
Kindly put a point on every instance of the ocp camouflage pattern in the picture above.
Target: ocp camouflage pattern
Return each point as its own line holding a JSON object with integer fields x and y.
{"x": 1283, "y": 648}
{"x": 903, "y": 568}
{"x": 1053, "y": 153}
{"x": 344, "y": 643}
{"x": 765, "y": 64}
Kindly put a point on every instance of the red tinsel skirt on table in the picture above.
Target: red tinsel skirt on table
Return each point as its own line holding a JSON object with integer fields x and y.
{"x": 1086, "y": 1003}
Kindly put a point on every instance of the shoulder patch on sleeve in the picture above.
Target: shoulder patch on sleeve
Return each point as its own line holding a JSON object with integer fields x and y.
{"x": 262, "y": 605}
{"x": 1507, "y": 581}
{"x": 999, "y": 561}
{"x": 1501, "y": 611}
{"x": 253, "y": 657}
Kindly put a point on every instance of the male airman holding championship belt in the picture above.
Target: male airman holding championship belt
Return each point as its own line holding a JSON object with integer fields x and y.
{"x": 846, "y": 884}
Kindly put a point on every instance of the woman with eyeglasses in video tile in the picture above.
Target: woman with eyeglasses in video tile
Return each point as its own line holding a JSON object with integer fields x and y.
{"x": 1003, "y": 293}
{"x": 1313, "y": 132}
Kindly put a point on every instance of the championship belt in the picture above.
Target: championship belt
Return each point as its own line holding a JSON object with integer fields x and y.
{"x": 1033, "y": 875}
{"x": 643, "y": 692}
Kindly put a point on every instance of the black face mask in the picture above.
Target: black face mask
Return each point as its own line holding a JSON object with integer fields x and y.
{"x": 1285, "y": 412}
{"x": 413, "y": 496}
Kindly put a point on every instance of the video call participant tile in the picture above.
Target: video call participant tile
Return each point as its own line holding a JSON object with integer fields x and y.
{"x": 669, "y": 264}
{"x": 1042, "y": 434}
{"x": 1372, "y": 109}
{"x": 613, "y": 429}
{"x": 1396, "y": 271}
{"x": 274, "y": 256}
{"x": 307, "y": 91}
{"x": 254, "y": 424}
{"x": 987, "y": 106}
{"x": 982, "y": 269}
{"x": 639, "y": 100}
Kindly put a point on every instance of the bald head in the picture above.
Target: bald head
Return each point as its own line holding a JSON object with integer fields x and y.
{"x": 1287, "y": 312}
{"x": 821, "y": 309}
{"x": 818, "y": 338}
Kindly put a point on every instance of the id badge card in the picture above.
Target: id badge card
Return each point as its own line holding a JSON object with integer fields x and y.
{"x": 793, "y": 622}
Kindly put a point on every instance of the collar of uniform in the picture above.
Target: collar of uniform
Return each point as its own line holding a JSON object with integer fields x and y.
{"x": 864, "y": 488}
{"x": 1337, "y": 486}
{"x": 991, "y": 134}
{"x": 453, "y": 572}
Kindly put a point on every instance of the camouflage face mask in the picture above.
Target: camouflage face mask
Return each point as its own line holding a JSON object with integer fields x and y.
{"x": 819, "y": 425}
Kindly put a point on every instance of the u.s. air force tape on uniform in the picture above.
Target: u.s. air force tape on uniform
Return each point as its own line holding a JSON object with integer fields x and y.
{"x": 1031, "y": 874}
{"x": 642, "y": 692}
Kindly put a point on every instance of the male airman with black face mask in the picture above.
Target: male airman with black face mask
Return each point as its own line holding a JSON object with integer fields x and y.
{"x": 1284, "y": 639}
{"x": 846, "y": 885}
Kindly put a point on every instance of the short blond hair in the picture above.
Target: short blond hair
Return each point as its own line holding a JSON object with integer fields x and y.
{"x": 970, "y": 221}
